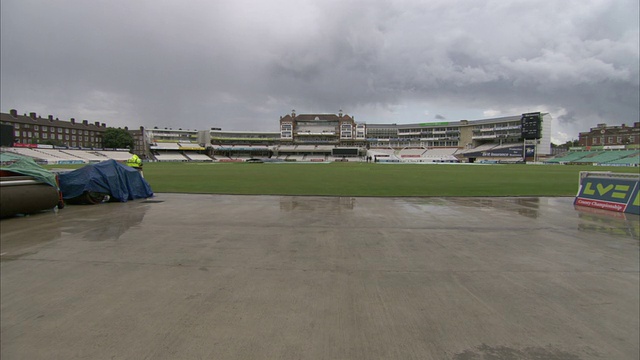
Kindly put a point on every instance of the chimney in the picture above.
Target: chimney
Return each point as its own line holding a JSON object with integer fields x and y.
{"x": 126, "y": 128}
{"x": 104, "y": 125}
{"x": 32, "y": 115}
{"x": 50, "y": 117}
{"x": 97, "y": 123}
{"x": 73, "y": 121}
{"x": 85, "y": 122}
{"x": 14, "y": 113}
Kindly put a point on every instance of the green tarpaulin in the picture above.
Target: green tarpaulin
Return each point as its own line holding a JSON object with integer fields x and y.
{"x": 26, "y": 166}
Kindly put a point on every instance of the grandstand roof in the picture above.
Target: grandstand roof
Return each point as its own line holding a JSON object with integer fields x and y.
{"x": 317, "y": 117}
{"x": 448, "y": 123}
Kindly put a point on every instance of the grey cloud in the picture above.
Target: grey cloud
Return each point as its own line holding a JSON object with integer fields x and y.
{"x": 241, "y": 64}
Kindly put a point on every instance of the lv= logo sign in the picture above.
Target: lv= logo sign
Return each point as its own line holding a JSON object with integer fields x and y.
{"x": 615, "y": 194}
{"x": 619, "y": 191}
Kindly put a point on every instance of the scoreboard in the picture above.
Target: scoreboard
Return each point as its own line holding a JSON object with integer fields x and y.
{"x": 6, "y": 135}
{"x": 531, "y": 124}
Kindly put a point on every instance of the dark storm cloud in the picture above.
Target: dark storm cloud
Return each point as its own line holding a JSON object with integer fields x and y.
{"x": 241, "y": 64}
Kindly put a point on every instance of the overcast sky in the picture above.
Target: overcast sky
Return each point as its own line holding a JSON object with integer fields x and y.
{"x": 241, "y": 64}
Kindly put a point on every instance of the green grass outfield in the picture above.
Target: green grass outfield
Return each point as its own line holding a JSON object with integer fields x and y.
{"x": 368, "y": 179}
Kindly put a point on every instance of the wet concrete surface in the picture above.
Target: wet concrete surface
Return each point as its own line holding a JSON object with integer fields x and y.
{"x": 269, "y": 277}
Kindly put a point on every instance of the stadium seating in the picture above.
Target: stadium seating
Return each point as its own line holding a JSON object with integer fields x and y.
{"x": 315, "y": 158}
{"x": 54, "y": 156}
{"x": 32, "y": 154}
{"x": 484, "y": 147}
{"x": 305, "y": 147}
{"x": 165, "y": 146}
{"x": 57, "y": 154}
{"x": 440, "y": 155}
{"x": 570, "y": 157}
{"x": 197, "y": 157}
{"x": 607, "y": 156}
{"x": 89, "y": 156}
{"x": 383, "y": 155}
{"x": 598, "y": 157}
{"x": 411, "y": 152}
{"x": 170, "y": 156}
{"x": 632, "y": 159}
{"x": 115, "y": 155}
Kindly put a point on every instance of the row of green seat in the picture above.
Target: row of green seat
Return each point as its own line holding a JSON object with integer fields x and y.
{"x": 600, "y": 157}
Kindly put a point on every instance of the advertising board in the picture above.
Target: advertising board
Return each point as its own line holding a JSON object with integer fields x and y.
{"x": 512, "y": 151}
{"x": 614, "y": 194}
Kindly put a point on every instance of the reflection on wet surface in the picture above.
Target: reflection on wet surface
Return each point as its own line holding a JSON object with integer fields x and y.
{"x": 115, "y": 222}
{"x": 392, "y": 272}
{"x": 109, "y": 221}
{"x": 608, "y": 222}
{"x": 20, "y": 234}
{"x": 295, "y": 203}
{"x": 106, "y": 221}
{"x": 527, "y": 207}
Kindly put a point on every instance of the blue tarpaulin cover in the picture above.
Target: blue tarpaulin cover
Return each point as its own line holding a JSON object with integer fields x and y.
{"x": 121, "y": 182}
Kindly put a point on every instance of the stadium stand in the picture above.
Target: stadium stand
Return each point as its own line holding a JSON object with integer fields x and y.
{"x": 440, "y": 155}
{"x": 569, "y": 157}
{"x": 411, "y": 152}
{"x": 190, "y": 146}
{"x": 37, "y": 156}
{"x": 87, "y": 155}
{"x": 170, "y": 156}
{"x": 338, "y": 158}
{"x": 305, "y": 147}
{"x": 315, "y": 158}
{"x": 607, "y": 156}
{"x": 115, "y": 155}
{"x": 285, "y": 148}
{"x": 602, "y": 157}
{"x": 383, "y": 151}
{"x": 589, "y": 158}
{"x": 55, "y": 156}
{"x": 197, "y": 157}
{"x": 165, "y": 146}
{"x": 632, "y": 159}
{"x": 484, "y": 147}
{"x": 383, "y": 155}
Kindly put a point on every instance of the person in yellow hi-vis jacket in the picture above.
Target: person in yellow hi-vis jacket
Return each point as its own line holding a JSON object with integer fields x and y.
{"x": 136, "y": 163}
